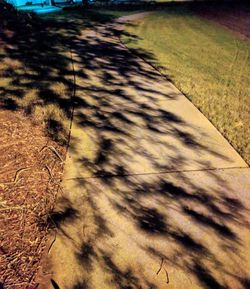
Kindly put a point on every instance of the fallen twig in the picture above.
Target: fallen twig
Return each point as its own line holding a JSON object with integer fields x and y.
{"x": 52, "y": 243}
{"x": 16, "y": 178}
{"x": 162, "y": 261}
{"x": 161, "y": 266}
{"x": 53, "y": 150}
{"x": 9, "y": 208}
{"x": 166, "y": 275}
{"x": 49, "y": 170}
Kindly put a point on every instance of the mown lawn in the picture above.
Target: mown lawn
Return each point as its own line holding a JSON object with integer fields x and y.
{"x": 208, "y": 63}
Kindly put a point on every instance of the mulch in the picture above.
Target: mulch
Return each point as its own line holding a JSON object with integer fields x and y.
{"x": 30, "y": 175}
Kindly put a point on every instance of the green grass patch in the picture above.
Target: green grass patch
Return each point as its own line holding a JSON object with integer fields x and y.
{"x": 93, "y": 16}
{"x": 206, "y": 62}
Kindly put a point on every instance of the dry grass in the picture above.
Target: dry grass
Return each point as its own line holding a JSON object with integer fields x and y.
{"x": 206, "y": 62}
{"x": 36, "y": 67}
{"x": 39, "y": 99}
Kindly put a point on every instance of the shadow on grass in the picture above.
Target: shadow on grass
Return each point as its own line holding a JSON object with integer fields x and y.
{"x": 39, "y": 69}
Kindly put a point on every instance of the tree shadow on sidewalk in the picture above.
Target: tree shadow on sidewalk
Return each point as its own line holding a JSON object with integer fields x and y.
{"x": 116, "y": 100}
{"x": 125, "y": 126}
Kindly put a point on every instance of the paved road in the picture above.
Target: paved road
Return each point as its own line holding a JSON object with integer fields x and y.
{"x": 153, "y": 196}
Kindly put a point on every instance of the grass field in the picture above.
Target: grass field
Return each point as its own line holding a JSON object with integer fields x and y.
{"x": 206, "y": 62}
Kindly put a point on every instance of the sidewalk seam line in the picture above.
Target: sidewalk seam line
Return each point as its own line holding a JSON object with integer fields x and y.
{"x": 154, "y": 173}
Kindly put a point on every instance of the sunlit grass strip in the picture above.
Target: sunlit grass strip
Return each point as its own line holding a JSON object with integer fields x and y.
{"x": 206, "y": 62}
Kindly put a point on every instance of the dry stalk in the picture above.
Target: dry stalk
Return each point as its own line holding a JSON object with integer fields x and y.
{"x": 53, "y": 150}
{"x": 16, "y": 178}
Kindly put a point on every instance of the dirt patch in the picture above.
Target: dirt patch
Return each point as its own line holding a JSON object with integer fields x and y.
{"x": 30, "y": 176}
{"x": 234, "y": 17}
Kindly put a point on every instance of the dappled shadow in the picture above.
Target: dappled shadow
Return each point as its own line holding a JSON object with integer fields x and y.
{"x": 37, "y": 74}
{"x": 127, "y": 137}
{"x": 57, "y": 218}
{"x": 122, "y": 279}
{"x": 81, "y": 285}
{"x": 121, "y": 209}
{"x": 206, "y": 277}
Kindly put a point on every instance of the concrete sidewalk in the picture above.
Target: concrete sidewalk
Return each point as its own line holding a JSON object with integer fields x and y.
{"x": 153, "y": 196}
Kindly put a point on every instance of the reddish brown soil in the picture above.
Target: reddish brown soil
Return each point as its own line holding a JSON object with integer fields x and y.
{"x": 236, "y": 18}
{"x": 30, "y": 174}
